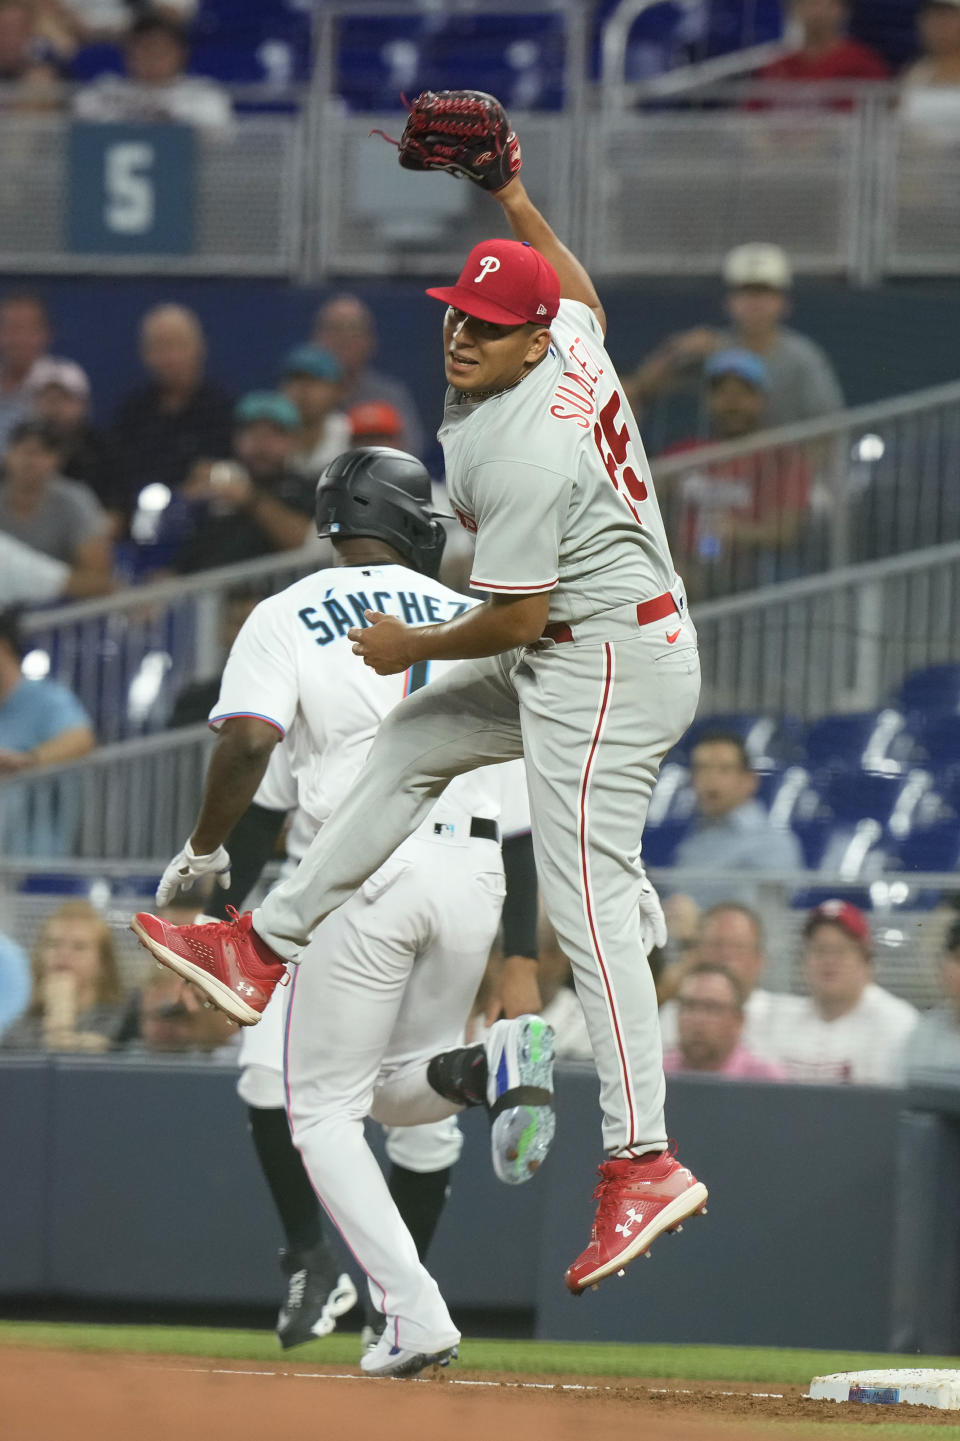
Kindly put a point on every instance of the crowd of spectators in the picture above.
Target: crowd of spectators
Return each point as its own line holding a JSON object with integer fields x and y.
{"x": 184, "y": 477}
{"x": 70, "y": 996}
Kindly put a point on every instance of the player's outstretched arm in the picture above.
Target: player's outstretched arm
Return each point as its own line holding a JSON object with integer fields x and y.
{"x": 237, "y": 766}
{"x": 527, "y": 223}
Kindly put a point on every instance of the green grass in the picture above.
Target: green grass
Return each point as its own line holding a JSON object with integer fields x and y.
{"x": 689, "y": 1363}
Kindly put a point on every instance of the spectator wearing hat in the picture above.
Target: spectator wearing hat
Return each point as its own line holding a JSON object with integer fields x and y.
{"x": 60, "y": 518}
{"x": 847, "y": 1030}
{"x": 60, "y": 394}
{"x": 710, "y": 1017}
{"x": 345, "y": 326}
{"x": 802, "y": 382}
{"x": 180, "y": 416}
{"x": 930, "y": 104}
{"x": 156, "y": 88}
{"x": 256, "y": 501}
{"x": 738, "y": 522}
{"x": 313, "y": 379}
{"x": 825, "y": 51}
{"x": 932, "y": 1053}
{"x": 376, "y": 422}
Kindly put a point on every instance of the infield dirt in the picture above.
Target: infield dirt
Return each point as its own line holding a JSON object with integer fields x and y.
{"x": 48, "y": 1395}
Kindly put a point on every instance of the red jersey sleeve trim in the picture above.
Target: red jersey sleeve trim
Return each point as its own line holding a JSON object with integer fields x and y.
{"x": 531, "y": 588}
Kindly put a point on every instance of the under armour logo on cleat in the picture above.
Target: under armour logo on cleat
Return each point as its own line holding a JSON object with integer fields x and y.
{"x": 633, "y": 1218}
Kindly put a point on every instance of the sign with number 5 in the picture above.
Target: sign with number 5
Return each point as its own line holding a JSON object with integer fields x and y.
{"x": 130, "y": 189}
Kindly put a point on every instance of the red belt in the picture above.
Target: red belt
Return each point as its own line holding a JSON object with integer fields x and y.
{"x": 648, "y": 610}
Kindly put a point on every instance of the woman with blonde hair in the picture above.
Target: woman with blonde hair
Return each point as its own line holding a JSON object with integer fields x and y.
{"x": 77, "y": 1002}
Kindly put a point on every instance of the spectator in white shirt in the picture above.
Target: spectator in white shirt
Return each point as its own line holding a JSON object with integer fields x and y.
{"x": 933, "y": 1050}
{"x": 848, "y": 1030}
{"x": 156, "y": 88}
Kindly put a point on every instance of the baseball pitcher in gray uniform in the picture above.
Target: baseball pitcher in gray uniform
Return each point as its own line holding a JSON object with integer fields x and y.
{"x": 583, "y": 658}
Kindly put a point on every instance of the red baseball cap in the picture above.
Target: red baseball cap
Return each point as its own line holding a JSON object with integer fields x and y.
{"x": 506, "y": 282}
{"x": 374, "y": 417}
{"x": 841, "y": 913}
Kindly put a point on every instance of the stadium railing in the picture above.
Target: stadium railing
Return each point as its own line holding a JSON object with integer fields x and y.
{"x": 830, "y": 643}
{"x": 127, "y": 655}
{"x": 908, "y": 939}
{"x": 862, "y": 484}
{"x": 81, "y": 197}
{"x": 658, "y": 177}
{"x": 881, "y": 484}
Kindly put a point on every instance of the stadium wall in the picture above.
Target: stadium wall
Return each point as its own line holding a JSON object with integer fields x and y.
{"x": 884, "y": 342}
{"x": 137, "y": 1182}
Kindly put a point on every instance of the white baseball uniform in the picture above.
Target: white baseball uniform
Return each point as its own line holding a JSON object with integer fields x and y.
{"x": 552, "y": 477}
{"x": 394, "y": 973}
{"x": 432, "y": 1147}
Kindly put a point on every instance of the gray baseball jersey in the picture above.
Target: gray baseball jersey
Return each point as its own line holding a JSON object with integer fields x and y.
{"x": 553, "y": 479}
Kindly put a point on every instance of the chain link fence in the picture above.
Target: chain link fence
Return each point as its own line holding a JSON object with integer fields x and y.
{"x": 848, "y": 181}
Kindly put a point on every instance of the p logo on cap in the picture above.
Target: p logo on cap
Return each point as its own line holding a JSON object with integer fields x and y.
{"x": 488, "y": 265}
{"x": 520, "y": 285}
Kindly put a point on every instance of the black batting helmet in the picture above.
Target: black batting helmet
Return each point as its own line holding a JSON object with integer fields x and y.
{"x": 383, "y": 493}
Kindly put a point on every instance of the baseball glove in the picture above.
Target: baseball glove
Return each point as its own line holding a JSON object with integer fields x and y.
{"x": 463, "y": 131}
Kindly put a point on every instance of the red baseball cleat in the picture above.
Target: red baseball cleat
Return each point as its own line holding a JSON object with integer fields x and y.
{"x": 222, "y": 958}
{"x": 637, "y": 1201}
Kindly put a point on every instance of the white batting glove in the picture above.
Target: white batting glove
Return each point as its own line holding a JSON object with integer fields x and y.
{"x": 185, "y": 868}
{"x": 653, "y": 923}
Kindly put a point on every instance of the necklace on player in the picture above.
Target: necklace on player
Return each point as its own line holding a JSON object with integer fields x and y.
{"x": 477, "y": 395}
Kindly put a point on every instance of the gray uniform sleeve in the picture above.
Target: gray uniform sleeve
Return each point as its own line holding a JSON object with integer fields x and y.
{"x": 520, "y": 511}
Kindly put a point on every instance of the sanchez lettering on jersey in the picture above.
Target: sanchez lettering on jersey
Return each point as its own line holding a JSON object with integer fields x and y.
{"x": 336, "y": 614}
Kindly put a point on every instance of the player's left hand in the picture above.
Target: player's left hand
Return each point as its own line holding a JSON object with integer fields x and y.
{"x": 185, "y": 868}
{"x": 384, "y": 643}
{"x": 653, "y": 923}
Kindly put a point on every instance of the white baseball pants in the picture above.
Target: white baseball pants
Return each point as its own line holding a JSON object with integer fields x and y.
{"x": 388, "y": 983}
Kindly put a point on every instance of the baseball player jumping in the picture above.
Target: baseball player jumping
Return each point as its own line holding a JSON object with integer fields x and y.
{"x": 583, "y": 658}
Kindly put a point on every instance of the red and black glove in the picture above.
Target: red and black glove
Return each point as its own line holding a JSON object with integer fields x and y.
{"x": 463, "y": 131}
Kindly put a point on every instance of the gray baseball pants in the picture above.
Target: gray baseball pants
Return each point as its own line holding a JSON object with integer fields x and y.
{"x": 593, "y": 719}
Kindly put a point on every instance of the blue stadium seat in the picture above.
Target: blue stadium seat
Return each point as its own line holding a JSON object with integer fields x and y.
{"x": 933, "y": 691}
{"x": 862, "y": 740}
{"x": 932, "y": 848}
{"x": 939, "y": 742}
{"x": 852, "y": 796}
{"x": 518, "y": 57}
{"x": 770, "y": 740}
{"x": 660, "y": 841}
